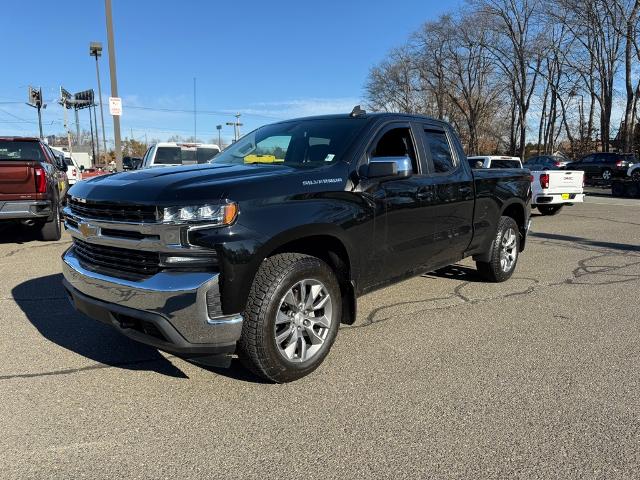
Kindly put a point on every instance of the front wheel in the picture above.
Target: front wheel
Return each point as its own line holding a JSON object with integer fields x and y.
{"x": 292, "y": 317}
{"x": 503, "y": 255}
{"x": 549, "y": 209}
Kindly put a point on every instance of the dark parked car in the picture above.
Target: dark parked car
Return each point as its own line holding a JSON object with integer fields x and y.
{"x": 269, "y": 258}
{"x": 545, "y": 162}
{"x": 602, "y": 167}
{"x": 33, "y": 184}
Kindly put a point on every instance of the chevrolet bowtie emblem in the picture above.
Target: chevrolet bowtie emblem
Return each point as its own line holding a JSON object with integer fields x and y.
{"x": 87, "y": 230}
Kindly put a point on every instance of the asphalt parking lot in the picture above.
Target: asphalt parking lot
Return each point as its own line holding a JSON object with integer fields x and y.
{"x": 442, "y": 376}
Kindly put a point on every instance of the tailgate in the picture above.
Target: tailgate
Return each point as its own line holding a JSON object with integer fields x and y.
{"x": 565, "y": 181}
{"x": 17, "y": 180}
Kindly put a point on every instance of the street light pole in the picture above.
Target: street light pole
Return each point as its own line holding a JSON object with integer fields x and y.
{"x": 114, "y": 82}
{"x": 95, "y": 50}
{"x": 219, "y": 127}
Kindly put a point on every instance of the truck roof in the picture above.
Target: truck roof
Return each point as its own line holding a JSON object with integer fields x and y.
{"x": 374, "y": 115}
{"x": 187, "y": 144}
{"x": 21, "y": 139}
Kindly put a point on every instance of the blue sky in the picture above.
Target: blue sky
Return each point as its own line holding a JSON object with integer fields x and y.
{"x": 269, "y": 60}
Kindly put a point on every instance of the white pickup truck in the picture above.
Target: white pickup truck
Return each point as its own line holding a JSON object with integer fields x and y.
{"x": 551, "y": 187}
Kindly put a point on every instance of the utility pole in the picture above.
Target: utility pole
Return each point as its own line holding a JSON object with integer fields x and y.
{"x": 219, "y": 127}
{"x": 236, "y": 127}
{"x": 93, "y": 148}
{"x": 114, "y": 82}
{"x": 66, "y": 102}
{"x": 95, "y": 50}
{"x": 77, "y": 127}
{"x": 195, "y": 121}
{"x": 35, "y": 100}
{"x": 95, "y": 121}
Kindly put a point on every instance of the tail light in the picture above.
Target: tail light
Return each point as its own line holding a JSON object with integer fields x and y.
{"x": 531, "y": 178}
{"x": 544, "y": 180}
{"x": 41, "y": 180}
{"x": 73, "y": 172}
{"x": 619, "y": 163}
{"x": 557, "y": 164}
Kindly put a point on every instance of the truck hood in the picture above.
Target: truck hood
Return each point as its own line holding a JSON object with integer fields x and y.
{"x": 207, "y": 182}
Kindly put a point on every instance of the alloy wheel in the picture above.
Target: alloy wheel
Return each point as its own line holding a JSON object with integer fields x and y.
{"x": 303, "y": 320}
{"x": 508, "y": 250}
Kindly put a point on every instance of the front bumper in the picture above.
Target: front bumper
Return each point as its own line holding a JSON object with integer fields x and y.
{"x": 24, "y": 209}
{"x": 167, "y": 310}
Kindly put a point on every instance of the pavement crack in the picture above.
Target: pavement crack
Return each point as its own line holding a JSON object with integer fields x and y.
{"x": 70, "y": 371}
{"x": 29, "y": 247}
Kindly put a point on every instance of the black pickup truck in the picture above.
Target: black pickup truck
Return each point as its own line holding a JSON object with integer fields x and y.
{"x": 264, "y": 250}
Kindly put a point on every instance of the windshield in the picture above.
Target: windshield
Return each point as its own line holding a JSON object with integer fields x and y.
{"x": 303, "y": 143}
{"x": 20, "y": 150}
{"x": 183, "y": 155}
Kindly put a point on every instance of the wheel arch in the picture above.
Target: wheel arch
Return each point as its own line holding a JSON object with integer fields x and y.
{"x": 331, "y": 249}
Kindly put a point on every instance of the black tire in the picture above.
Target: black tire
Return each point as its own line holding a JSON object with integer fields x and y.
{"x": 51, "y": 230}
{"x": 257, "y": 348}
{"x": 549, "y": 209}
{"x": 633, "y": 189}
{"x": 617, "y": 189}
{"x": 492, "y": 270}
{"x": 635, "y": 174}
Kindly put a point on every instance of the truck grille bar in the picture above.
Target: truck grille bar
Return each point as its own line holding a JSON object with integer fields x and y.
{"x": 124, "y": 260}
{"x": 114, "y": 212}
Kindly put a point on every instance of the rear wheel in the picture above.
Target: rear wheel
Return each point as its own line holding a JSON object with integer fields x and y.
{"x": 292, "y": 317}
{"x": 51, "y": 230}
{"x": 606, "y": 175}
{"x": 549, "y": 209}
{"x": 503, "y": 256}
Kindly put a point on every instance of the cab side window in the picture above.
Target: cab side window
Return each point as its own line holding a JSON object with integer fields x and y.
{"x": 396, "y": 142}
{"x": 438, "y": 144}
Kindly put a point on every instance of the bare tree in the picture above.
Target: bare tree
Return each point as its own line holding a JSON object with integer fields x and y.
{"x": 516, "y": 49}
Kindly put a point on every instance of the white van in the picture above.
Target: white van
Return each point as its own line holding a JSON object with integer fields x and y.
{"x": 171, "y": 154}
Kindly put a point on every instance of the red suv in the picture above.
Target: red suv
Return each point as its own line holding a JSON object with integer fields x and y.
{"x": 33, "y": 184}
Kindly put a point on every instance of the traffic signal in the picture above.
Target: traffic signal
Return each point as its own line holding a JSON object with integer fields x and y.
{"x": 35, "y": 97}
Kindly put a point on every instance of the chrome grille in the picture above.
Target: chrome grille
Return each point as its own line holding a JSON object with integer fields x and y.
{"x": 138, "y": 262}
{"x": 112, "y": 211}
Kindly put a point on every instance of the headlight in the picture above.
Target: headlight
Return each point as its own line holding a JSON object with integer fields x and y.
{"x": 214, "y": 214}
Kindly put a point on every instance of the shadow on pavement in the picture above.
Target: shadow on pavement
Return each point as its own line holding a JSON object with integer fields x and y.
{"x": 45, "y": 303}
{"x": 456, "y": 272}
{"x": 15, "y": 233}
{"x": 585, "y": 241}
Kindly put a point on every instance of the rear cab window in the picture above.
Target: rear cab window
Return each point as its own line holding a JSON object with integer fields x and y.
{"x": 183, "y": 155}
{"x": 505, "y": 164}
{"x": 21, "y": 150}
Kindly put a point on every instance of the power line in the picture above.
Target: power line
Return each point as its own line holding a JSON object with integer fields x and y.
{"x": 205, "y": 112}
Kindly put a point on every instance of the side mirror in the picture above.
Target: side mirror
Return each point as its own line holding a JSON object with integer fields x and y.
{"x": 388, "y": 167}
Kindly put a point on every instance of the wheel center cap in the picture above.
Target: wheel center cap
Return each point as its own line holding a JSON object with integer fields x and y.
{"x": 297, "y": 318}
